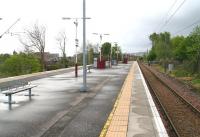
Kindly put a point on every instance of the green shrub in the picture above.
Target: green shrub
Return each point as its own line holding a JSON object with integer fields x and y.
{"x": 20, "y": 64}
{"x": 53, "y": 67}
{"x": 181, "y": 73}
{"x": 196, "y": 81}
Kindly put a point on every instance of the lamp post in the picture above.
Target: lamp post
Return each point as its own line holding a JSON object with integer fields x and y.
{"x": 101, "y": 36}
{"x": 76, "y": 41}
{"x": 76, "y": 44}
{"x": 117, "y": 51}
{"x": 111, "y": 56}
{"x": 84, "y": 88}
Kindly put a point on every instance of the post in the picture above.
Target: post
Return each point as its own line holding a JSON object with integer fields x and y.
{"x": 76, "y": 44}
{"x": 110, "y": 56}
{"x": 29, "y": 92}
{"x": 117, "y": 53}
{"x": 9, "y": 99}
{"x": 117, "y": 57}
{"x": 84, "y": 88}
{"x": 100, "y": 54}
{"x": 100, "y": 46}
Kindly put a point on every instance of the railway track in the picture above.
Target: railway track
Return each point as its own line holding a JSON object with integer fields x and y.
{"x": 181, "y": 117}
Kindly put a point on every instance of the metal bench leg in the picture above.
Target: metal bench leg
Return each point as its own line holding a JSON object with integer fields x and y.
{"x": 10, "y": 102}
{"x": 10, "y": 98}
{"x": 29, "y": 94}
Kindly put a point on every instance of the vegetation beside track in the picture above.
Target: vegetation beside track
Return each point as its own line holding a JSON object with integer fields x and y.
{"x": 182, "y": 52}
{"x": 181, "y": 74}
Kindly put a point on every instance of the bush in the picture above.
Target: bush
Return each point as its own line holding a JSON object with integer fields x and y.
{"x": 196, "y": 81}
{"x": 181, "y": 73}
{"x": 53, "y": 67}
{"x": 20, "y": 64}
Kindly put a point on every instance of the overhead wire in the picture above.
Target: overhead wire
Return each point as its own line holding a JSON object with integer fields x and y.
{"x": 171, "y": 7}
{"x": 7, "y": 31}
{"x": 187, "y": 27}
{"x": 172, "y": 15}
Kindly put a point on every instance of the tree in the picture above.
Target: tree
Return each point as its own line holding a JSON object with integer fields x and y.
{"x": 93, "y": 46}
{"x": 164, "y": 46}
{"x": 61, "y": 40}
{"x": 3, "y": 58}
{"x": 161, "y": 46}
{"x": 154, "y": 38}
{"x": 179, "y": 50}
{"x": 155, "y": 45}
{"x": 106, "y": 50}
{"x": 35, "y": 39}
{"x": 91, "y": 49}
{"x": 89, "y": 46}
{"x": 90, "y": 55}
{"x": 14, "y": 52}
{"x": 116, "y": 51}
{"x": 151, "y": 56}
{"x": 20, "y": 64}
{"x": 194, "y": 49}
{"x": 185, "y": 50}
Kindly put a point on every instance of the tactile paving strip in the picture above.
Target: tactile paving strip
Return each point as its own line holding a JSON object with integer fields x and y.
{"x": 117, "y": 122}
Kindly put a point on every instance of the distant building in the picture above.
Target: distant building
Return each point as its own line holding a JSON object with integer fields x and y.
{"x": 134, "y": 56}
{"x": 140, "y": 54}
{"x": 49, "y": 58}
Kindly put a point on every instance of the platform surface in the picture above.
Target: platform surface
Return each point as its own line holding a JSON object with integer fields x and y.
{"x": 58, "y": 108}
{"x": 144, "y": 119}
{"x": 134, "y": 113}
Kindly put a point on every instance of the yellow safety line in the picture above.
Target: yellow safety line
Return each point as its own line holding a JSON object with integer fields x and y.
{"x": 122, "y": 96}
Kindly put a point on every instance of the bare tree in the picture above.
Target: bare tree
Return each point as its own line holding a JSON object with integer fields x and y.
{"x": 92, "y": 46}
{"x": 27, "y": 49}
{"x": 34, "y": 39}
{"x": 89, "y": 46}
{"x": 61, "y": 40}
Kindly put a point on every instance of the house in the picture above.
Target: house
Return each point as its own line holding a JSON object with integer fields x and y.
{"x": 49, "y": 58}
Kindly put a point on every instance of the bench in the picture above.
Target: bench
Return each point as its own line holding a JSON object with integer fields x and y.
{"x": 89, "y": 67}
{"x": 19, "y": 86}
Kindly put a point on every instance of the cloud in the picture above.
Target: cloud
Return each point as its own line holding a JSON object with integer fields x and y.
{"x": 128, "y": 22}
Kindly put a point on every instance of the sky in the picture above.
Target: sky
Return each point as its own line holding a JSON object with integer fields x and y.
{"x": 128, "y": 22}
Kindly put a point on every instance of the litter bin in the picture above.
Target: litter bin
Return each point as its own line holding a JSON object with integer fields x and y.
{"x": 125, "y": 61}
{"x": 100, "y": 64}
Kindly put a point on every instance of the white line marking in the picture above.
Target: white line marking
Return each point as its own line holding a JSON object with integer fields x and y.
{"x": 159, "y": 124}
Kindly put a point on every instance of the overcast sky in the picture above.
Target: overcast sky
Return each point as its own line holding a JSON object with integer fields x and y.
{"x": 129, "y": 22}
